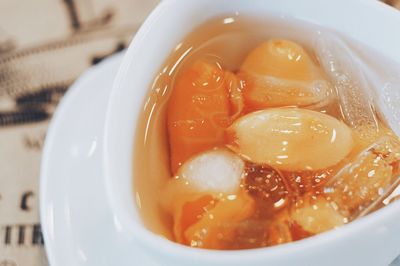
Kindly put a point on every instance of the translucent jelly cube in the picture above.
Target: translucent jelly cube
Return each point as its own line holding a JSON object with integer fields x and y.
{"x": 316, "y": 214}
{"x": 350, "y": 82}
{"x": 367, "y": 179}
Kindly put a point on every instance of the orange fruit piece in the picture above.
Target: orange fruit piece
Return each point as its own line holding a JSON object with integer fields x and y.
{"x": 281, "y": 73}
{"x": 235, "y": 88}
{"x": 199, "y": 110}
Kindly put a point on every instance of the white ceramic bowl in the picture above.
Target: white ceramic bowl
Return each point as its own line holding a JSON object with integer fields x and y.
{"x": 374, "y": 240}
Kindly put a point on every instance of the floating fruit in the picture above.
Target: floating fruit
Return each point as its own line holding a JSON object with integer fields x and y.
{"x": 316, "y": 215}
{"x": 290, "y": 139}
{"x": 281, "y": 73}
{"x": 198, "y": 111}
{"x": 203, "y": 102}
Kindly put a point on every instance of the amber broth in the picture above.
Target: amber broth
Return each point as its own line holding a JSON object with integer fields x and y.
{"x": 227, "y": 40}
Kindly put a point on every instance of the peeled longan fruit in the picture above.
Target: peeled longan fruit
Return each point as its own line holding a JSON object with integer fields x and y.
{"x": 290, "y": 139}
{"x": 281, "y": 73}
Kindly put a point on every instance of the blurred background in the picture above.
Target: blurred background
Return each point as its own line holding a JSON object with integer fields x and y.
{"x": 44, "y": 46}
{"x": 394, "y": 3}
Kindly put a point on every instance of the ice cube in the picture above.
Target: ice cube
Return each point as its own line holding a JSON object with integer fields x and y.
{"x": 215, "y": 171}
{"x": 337, "y": 59}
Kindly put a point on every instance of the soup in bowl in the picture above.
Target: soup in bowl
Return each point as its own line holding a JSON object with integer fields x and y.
{"x": 253, "y": 125}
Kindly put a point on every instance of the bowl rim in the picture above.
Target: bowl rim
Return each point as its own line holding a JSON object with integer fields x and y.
{"x": 138, "y": 232}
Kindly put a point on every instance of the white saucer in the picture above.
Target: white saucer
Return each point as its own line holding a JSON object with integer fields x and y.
{"x": 78, "y": 226}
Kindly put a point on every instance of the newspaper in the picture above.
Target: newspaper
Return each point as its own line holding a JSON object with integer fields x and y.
{"x": 44, "y": 46}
